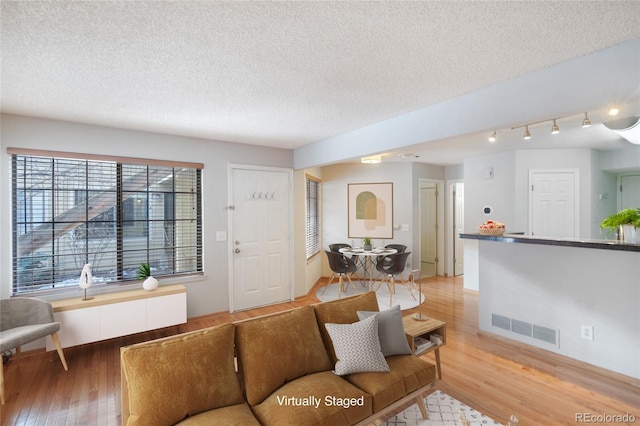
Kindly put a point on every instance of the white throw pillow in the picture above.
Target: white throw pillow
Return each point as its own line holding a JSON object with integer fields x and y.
{"x": 357, "y": 347}
{"x": 393, "y": 340}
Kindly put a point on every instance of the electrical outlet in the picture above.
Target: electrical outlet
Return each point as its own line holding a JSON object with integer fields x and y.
{"x": 586, "y": 332}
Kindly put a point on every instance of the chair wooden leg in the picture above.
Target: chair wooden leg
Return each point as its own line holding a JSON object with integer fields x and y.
{"x": 2, "y": 384}
{"x": 422, "y": 407}
{"x": 351, "y": 284}
{"x": 339, "y": 285}
{"x": 56, "y": 341}
{"x": 327, "y": 285}
{"x": 392, "y": 290}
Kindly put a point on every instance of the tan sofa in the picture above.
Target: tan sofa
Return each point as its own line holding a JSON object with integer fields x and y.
{"x": 281, "y": 373}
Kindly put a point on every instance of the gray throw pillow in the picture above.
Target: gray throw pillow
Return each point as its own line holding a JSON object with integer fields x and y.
{"x": 393, "y": 340}
{"x": 357, "y": 347}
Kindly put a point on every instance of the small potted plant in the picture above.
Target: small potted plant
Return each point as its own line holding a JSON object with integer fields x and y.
{"x": 144, "y": 273}
{"x": 625, "y": 223}
{"x": 367, "y": 243}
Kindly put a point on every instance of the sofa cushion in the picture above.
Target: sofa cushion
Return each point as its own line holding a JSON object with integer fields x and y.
{"x": 235, "y": 415}
{"x": 294, "y": 403}
{"x": 407, "y": 374}
{"x": 357, "y": 346}
{"x": 393, "y": 340}
{"x": 170, "y": 379}
{"x": 343, "y": 311}
{"x": 276, "y": 349}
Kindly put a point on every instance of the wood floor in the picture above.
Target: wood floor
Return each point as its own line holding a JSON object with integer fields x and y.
{"x": 494, "y": 376}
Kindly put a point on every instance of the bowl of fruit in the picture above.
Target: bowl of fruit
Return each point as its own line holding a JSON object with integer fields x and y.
{"x": 492, "y": 227}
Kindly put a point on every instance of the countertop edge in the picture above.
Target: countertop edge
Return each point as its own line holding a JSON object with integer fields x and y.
{"x": 594, "y": 244}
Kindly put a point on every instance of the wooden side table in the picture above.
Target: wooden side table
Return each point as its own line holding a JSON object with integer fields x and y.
{"x": 426, "y": 329}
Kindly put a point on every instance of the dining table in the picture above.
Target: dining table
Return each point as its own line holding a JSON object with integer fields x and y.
{"x": 366, "y": 259}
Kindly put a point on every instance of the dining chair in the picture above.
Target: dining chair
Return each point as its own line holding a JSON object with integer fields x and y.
{"x": 396, "y": 266}
{"x": 336, "y": 248}
{"x": 341, "y": 266}
{"x": 23, "y": 320}
{"x": 385, "y": 261}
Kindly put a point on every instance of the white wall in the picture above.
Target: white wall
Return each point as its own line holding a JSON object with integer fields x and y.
{"x": 207, "y": 295}
{"x": 507, "y": 192}
{"x": 498, "y": 192}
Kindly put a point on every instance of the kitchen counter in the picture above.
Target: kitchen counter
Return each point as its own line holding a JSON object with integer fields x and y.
{"x": 578, "y": 298}
{"x": 565, "y": 242}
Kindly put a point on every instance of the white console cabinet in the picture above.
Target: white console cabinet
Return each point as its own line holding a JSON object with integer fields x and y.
{"x": 118, "y": 314}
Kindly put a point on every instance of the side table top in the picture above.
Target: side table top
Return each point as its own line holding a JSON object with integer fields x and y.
{"x": 414, "y": 327}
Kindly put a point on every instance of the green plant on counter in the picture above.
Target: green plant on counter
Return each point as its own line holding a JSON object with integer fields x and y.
{"x": 623, "y": 217}
{"x": 366, "y": 241}
{"x": 144, "y": 271}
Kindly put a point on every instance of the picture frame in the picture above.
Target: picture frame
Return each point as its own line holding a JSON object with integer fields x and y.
{"x": 370, "y": 210}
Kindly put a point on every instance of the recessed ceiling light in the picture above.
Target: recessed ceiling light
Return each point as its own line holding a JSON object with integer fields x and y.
{"x": 614, "y": 111}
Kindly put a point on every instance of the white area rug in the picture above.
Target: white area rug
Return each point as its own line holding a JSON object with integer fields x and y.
{"x": 443, "y": 411}
{"x": 401, "y": 297}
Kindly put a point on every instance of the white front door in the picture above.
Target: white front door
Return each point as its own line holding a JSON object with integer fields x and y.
{"x": 261, "y": 229}
{"x": 553, "y": 206}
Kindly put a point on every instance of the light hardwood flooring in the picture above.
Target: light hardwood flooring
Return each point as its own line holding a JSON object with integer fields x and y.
{"x": 495, "y": 376}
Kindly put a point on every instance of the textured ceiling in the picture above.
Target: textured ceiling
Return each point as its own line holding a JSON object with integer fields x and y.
{"x": 282, "y": 74}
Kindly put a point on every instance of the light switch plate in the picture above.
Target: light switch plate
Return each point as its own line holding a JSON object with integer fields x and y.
{"x": 221, "y": 235}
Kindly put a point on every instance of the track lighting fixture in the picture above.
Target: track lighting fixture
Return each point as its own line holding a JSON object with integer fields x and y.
{"x": 555, "y": 129}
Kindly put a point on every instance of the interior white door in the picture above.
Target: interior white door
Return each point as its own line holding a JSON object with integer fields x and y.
{"x": 260, "y": 235}
{"x": 428, "y": 231}
{"x": 553, "y": 204}
{"x": 458, "y": 228}
{"x": 629, "y": 192}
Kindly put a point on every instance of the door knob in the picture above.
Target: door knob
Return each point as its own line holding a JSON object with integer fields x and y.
{"x": 237, "y": 250}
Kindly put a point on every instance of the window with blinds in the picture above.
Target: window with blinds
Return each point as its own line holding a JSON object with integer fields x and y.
{"x": 312, "y": 233}
{"x": 112, "y": 213}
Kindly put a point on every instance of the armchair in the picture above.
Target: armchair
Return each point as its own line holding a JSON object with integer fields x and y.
{"x": 22, "y": 321}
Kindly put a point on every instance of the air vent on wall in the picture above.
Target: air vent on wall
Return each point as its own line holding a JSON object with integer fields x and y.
{"x": 523, "y": 328}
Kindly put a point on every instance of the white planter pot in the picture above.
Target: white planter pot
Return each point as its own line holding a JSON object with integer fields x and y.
{"x": 150, "y": 284}
{"x": 630, "y": 234}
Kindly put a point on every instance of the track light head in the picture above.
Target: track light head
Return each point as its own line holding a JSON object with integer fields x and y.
{"x": 527, "y": 133}
{"x": 555, "y": 129}
{"x": 586, "y": 122}
{"x": 492, "y": 138}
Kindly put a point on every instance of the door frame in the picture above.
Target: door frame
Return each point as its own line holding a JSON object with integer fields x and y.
{"x": 231, "y": 238}
{"x": 450, "y": 226}
{"x": 576, "y": 197}
{"x": 439, "y": 184}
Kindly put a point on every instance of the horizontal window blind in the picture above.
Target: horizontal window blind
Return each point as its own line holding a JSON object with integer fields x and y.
{"x": 68, "y": 211}
{"x": 312, "y": 234}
